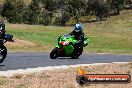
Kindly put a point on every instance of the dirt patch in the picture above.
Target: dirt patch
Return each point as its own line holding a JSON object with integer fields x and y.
{"x": 65, "y": 78}
{"x": 20, "y": 43}
{"x": 26, "y": 46}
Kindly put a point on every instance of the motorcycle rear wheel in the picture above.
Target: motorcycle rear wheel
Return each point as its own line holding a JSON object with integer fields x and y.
{"x": 77, "y": 53}
{"x": 3, "y": 53}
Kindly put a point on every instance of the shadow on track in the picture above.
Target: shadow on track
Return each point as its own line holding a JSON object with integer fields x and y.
{"x": 2, "y": 65}
{"x": 66, "y": 58}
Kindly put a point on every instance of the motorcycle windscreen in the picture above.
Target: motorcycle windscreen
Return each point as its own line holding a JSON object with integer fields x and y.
{"x": 68, "y": 49}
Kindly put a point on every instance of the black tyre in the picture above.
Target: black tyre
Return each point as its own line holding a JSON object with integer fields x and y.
{"x": 3, "y": 53}
{"x": 75, "y": 55}
{"x": 81, "y": 80}
{"x": 53, "y": 54}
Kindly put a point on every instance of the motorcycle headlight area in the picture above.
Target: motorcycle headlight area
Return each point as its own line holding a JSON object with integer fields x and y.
{"x": 64, "y": 43}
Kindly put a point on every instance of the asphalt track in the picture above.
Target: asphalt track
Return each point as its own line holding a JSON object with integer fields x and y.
{"x": 16, "y": 61}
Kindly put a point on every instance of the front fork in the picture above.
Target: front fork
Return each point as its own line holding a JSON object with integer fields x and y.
{"x": 60, "y": 50}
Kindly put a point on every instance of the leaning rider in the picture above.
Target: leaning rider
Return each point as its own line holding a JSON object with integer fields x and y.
{"x": 2, "y": 30}
{"x": 79, "y": 36}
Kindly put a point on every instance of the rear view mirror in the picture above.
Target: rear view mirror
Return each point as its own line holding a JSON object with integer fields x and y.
{"x": 8, "y": 37}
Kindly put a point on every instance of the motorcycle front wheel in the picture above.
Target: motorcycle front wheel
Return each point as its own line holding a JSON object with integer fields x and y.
{"x": 53, "y": 54}
{"x": 3, "y": 53}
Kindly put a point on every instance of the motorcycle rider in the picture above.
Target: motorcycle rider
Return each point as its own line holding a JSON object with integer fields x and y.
{"x": 78, "y": 35}
{"x": 2, "y": 30}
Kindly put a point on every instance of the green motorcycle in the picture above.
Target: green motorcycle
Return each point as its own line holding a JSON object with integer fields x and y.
{"x": 65, "y": 47}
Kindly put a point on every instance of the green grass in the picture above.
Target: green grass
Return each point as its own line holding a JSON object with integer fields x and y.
{"x": 112, "y": 36}
{"x": 40, "y": 35}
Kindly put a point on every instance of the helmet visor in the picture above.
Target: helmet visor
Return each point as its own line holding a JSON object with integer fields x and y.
{"x": 77, "y": 30}
{"x": 0, "y": 27}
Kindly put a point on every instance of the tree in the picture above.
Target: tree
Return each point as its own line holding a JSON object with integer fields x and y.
{"x": 31, "y": 14}
{"x": 46, "y": 17}
{"x": 50, "y": 5}
{"x": 99, "y": 8}
{"x": 61, "y": 21}
{"x": 12, "y": 10}
{"x": 77, "y": 8}
{"x": 18, "y": 18}
{"x": 116, "y": 5}
{"x": 48, "y": 12}
{"x": 102, "y": 11}
{"x": 8, "y": 9}
{"x": 1, "y": 6}
{"x": 128, "y": 3}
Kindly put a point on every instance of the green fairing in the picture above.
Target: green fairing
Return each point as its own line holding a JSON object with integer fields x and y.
{"x": 58, "y": 46}
{"x": 68, "y": 49}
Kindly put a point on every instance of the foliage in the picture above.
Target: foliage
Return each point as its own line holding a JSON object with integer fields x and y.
{"x": 13, "y": 10}
{"x": 45, "y": 17}
{"x": 1, "y": 8}
{"x": 116, "y": 5}
{"x": 63, "y": 19}
{"x": 99, "y": 8}
{"x": 32, "y": 12}
{"x": 59, "y": 12}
